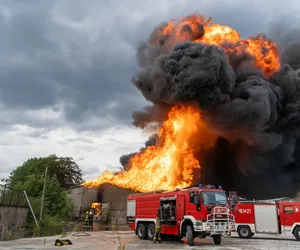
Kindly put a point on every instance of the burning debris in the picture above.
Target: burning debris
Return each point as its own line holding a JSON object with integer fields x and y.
{"x": 213, "y": 92}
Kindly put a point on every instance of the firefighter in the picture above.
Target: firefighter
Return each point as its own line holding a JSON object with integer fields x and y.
{"x": 86, "y": 221}
{"x": 91, "y": 221}
{"x": 157, "y": 235}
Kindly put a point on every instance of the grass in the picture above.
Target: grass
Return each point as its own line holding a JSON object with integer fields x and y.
{"x": 121, "y": 245}
{"x": 75, "y": 228}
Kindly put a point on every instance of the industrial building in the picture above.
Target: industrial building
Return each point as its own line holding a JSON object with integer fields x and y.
{"x": 107, "y": 203}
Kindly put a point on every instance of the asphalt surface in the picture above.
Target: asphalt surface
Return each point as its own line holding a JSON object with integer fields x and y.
{"x": 111, "y": 240}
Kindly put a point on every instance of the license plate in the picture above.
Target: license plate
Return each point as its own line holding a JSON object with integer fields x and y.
{"x": 220, "y": 227}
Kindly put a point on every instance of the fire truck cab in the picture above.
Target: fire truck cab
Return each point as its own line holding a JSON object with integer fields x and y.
{"x": 192, "y": 212}
{"x": 266, "y": 217}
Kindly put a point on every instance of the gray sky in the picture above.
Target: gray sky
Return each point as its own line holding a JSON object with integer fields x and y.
{"x": 66, "y": 67}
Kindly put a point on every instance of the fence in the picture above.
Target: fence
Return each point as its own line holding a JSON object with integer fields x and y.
{"x": 14, "y": 232}
{"x": 13, "y": 205}
{"x": 12, "y": 198}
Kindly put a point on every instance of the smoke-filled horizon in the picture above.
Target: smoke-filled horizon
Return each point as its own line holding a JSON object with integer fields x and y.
{"x": 250, "y": 101}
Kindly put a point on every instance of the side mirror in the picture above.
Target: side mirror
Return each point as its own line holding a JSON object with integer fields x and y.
{"x": 197, "y": 200}
{"x": 233, "y": 199}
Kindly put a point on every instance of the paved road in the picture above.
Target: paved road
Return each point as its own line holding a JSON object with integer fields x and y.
{"x": 110, "y": 241}
{"x": 233, "y": 243}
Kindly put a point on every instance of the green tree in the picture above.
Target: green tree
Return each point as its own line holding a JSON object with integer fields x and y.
{"x": 65, "y": 169}
{"x": 62, "y": 173}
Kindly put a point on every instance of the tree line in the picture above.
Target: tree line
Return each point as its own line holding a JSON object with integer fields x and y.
{"x": 62, "y": 174}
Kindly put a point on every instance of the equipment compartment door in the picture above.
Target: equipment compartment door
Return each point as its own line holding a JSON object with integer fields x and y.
{"x": 266, "y": 219}
{"x": 131, "y": 206}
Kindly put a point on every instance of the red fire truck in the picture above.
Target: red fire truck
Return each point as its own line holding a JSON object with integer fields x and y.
{"x": 265, "y": 217}
{"x": 191, "y": 212}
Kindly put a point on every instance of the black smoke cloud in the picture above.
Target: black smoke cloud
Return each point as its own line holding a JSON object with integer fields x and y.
{"x": 150, "y": 114}
{"x": 256, "y": 117}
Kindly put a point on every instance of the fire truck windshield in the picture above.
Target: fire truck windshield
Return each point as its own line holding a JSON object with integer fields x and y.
{"x": 214, "y": 198}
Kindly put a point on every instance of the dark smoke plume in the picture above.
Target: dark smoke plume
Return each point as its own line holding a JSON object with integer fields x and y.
{"x": 150, "y": 114}
{"x": 256, "y": 117}
{"x": 286, "y": 32}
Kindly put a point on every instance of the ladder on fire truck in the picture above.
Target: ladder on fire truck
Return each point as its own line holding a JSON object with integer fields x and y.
{"x": 233, "y": 197}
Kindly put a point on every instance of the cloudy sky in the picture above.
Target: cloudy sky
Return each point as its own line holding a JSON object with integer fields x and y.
{"x": 66, "y": 67}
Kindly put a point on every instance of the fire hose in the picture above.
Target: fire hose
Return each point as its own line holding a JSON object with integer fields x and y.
{"x": 81, "y": 234}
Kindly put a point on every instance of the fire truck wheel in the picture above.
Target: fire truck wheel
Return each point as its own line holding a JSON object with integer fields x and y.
{"x": 150, "y": 231}
{"x": 189, "y": 235}
{"x": 244, "y": 232}
{"x": 217, "y": 239}
{"x": 297, "y": 233}
{"x": 141, "y": 231}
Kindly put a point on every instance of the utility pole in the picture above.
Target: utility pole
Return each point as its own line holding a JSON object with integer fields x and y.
{"x": 43, "y": 194}
{"x": 29, "y": 204}
{"x": 44, "y": 187}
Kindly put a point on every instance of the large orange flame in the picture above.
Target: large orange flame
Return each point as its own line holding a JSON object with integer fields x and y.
{"x": 170, "y": 164}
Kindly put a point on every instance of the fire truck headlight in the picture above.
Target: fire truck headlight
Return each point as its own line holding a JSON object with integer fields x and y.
{"x": 230, "y": 226}
{"x": 198, "y": 223}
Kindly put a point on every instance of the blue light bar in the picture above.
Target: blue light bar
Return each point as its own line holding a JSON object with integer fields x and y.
{"x": 220, "y": 187}
{"x": 200, "y": 186}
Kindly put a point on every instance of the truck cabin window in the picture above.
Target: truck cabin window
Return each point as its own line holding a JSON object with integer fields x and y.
{"x": 194, "y": 198}
{"x": 214, "y": 198}
{"x": 288, "y": 210}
